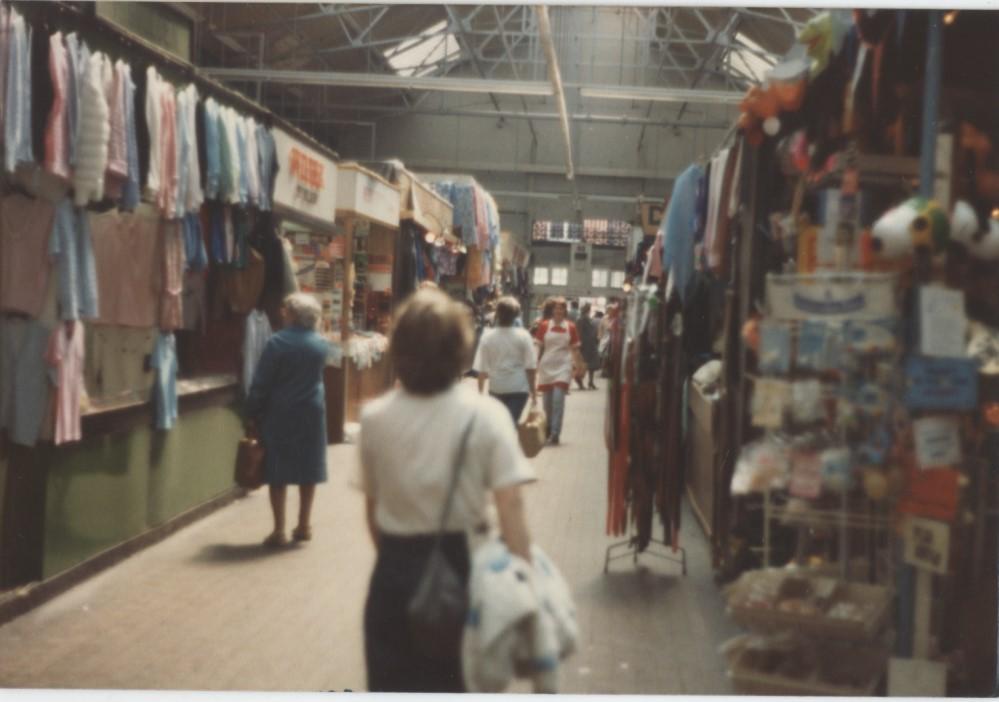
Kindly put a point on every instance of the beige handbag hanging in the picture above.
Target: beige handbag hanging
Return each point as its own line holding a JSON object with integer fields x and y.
{"x": 531, "y": 432}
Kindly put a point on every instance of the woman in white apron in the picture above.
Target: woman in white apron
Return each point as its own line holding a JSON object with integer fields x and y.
{"x": 559, "y": 345}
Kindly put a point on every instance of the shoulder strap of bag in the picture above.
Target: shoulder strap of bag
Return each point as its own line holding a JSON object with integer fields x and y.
{"x": 452, "y": 488}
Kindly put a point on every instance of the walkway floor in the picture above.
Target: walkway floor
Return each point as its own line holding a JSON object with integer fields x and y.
{"x": 210, "y": 609}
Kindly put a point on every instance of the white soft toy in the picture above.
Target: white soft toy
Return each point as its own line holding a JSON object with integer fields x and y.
{"x": 965, "y": 228}
{"x": 916, "y": 224}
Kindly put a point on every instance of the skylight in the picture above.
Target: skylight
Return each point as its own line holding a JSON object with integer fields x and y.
{"x": 421, "y": 55}
{"x": 748, "y": 58}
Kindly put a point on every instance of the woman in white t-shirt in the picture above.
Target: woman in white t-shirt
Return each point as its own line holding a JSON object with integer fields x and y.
{"x": 507, "y": 359}
{"x": 410, "y": 438}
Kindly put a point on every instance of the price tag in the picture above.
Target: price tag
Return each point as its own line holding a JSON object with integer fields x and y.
{"x": 938, "y": 442}
{"x": 927, "y": 544}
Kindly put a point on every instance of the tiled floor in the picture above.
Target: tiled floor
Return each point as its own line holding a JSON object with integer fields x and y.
{"x": 209, "y": 609}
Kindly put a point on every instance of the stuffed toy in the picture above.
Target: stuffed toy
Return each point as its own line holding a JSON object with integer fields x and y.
{"x": 916, "y": 224}
{"x": 982, "y": 242}
{"x": 823, "y": 37}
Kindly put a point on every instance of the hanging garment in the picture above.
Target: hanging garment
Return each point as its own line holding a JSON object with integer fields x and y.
{"x": 164, "y": 365}
{"x": 25, "y": 227}
{"x": 195, "y": 194}
{"x": 258, "y": 332}
{"x": 77, "y": 54}
{"x": 719, "y": 256}
{"x": 117, "y": 168}
{"x": 678, "y": 229}
{"x": 210, "y": 118}
{"x": 195, "y": 256}
{"x": 267, "y": 155}
{"x": 17, "y": 103}
{"x": 184, "y": 145}
{"x": 71, "y": 248}
{"x": 57, "y": 131}
{"x": 172, "y": 314}
{"x": 167, "y": 198}
{"x": 230, "y": 156}
{"x": 129, "y": 262}
{"x": 154, "y": 128}
{"x": 252, "y": 162}
{"x": 95, "y": 132}
{"x": 24, "y": 390}
{"x": 65, "y": 356}
{"x": 244, "y": 169}
{"x": 715, "y": 204}
{"x": 130, "y": 191}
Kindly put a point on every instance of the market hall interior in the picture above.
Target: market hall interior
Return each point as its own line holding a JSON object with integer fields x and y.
{"x": 729, "y": 274}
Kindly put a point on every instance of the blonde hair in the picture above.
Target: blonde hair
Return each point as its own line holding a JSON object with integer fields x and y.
{"x": 304, "y": 310}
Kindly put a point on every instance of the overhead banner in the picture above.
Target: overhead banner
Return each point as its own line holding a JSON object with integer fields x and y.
{"x": 306, "y": 181}
{"x": 831, "y": 297}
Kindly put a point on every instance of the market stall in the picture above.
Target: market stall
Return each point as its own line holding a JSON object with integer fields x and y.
{"x": 368, "y": 208}
{"x": 467, "y": 271}
{"x": 426, "y": 224}
{"x": 141, "y": 264}
{"x": 853, "y": 233}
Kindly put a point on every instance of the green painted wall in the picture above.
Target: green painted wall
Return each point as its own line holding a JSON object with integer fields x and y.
{"x": 108, "y": 489}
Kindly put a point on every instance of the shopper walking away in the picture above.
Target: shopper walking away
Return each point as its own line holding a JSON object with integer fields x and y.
{"x": 556, "y": 364}
{"x": 506, "y": 358}
{"x": 410, "y": 440}
{"x": 287, "y": 406}
{"x": 588, "y": 341}
{"x": 574, "y": 311}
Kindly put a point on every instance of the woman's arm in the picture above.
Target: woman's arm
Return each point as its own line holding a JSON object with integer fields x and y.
{"x": 369, "y": 509}
{"x": 513, "y": 526}
{"x": 263, "y": 381}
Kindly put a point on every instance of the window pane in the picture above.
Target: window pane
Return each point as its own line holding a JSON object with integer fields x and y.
{"x": 560, "y": 275}
{"x": 617, "y": 279}
{"x": 600, "y": 277}
{"x": 541, "y": 276}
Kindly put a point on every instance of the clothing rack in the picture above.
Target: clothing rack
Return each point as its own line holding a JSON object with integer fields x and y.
{"x": 69, "y": 16}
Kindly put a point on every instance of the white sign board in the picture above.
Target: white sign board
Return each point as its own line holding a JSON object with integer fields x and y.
{"x": 306, "y": 182}
{"x": 363, "y": 193}
{"x": 915, "y": 677}
{"x": 831, "y": 297}
{"x": 927, "y": 544}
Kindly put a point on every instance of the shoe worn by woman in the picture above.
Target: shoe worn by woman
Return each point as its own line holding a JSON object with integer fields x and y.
{"x": 302, "y": 534}
{"x": 276, "y": 539}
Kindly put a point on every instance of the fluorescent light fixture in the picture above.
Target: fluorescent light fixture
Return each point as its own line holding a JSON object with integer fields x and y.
{"x": 636, "y": 92}
{"x": 532, "y": 88}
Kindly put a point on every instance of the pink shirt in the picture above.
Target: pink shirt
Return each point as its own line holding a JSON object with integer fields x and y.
{"x": 167, "y": 199}
{"x": 128, "y": 254}
{"x": 25, "y": 229}
{"x": 57, "y": 131}
{"x": 65, "y": 355}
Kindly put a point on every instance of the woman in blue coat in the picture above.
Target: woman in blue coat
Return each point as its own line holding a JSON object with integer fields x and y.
{"x": 287, "y": 405}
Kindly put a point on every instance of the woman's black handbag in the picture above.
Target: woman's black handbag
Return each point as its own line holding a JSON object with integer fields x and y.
{"x": 438, "y": 608}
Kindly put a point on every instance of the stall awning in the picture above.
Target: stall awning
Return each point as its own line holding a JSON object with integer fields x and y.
{"x": 363, "y": 194}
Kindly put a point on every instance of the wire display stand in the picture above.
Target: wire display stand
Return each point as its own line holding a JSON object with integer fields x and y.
{"x": 630, "y": 546}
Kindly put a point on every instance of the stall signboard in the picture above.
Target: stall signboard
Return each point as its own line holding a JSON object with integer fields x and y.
{"x": 831, "y": 297}
{"x": 430, "y": 210}
{"x": 927, "y": 544}
{"x": 306, "y": 182}
{"x": 364, "y": 194}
